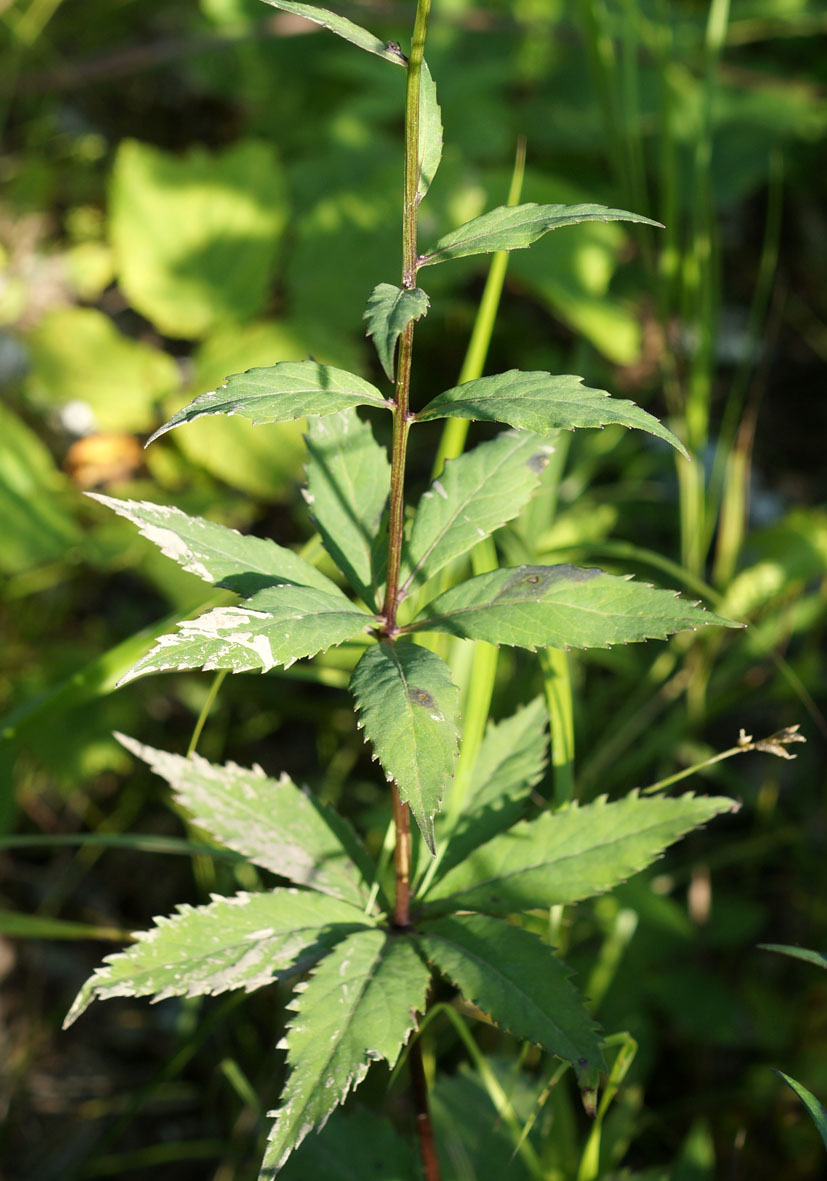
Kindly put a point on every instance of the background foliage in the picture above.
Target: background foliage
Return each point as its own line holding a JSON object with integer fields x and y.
{"x": 178, "y": 203}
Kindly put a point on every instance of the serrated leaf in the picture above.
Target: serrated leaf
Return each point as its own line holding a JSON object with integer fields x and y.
{"x": 276, "y": 626}
{"x": 280, "y": 393}
{"x": 240, "y": 942}
{"x": 817, "y": 1110}
{"x": 560, "y": 607}
{"x": 474, "y": 495}
{"x": 430, "y": 133}
{"x": 344, "y": 28}
{"x": 513, "y": 227}
{"x": 348, "y": 481}
{"x": 542, "y": 402}
{"x": 389, "y": 312}
{"x": 566, "y": 856}
{"x": 518, "y": 981}
{"x": 215, "y": 553}
{"x": 271, "y": 822}
{"x": 408, "y": 708}
{"x": 359, "y": 1006}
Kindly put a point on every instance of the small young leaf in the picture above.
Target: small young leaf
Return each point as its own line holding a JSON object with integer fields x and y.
{"x": 565, "y": 856}
{"x": 409, "y": 710}
{"x": 560, "y": 607}
{"x": 512, "y": 227}
{"x": 798, "y": 953}
{"x": 215, "y": 553}
{"x": 275, "y": 626}
{"x": 360, "y": 1005}
{"x": 518, "y": 981}
{"x": 271, "y": 822}
{"x": 430, "y": 132}
{"x": 344, "y": 28}
{"x": 817, "y": 1110}
{"x": 474, "y": 495}
{"x": 280, "y": 393}
{"x": 348, "y": 480}
{"x": 389, "y": 312}
{"x": 543, "y": 403}
{"x": 240, "y": 942}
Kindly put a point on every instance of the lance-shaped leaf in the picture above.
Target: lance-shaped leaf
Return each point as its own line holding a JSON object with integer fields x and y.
{"x": 430, "y": 133}
{"x": 560, "y": 607}
{"x": 409, "y": 709}
{"x": 519, "y": 982}
{"x": 344, "y": 28}
{"x": 276, "y": 626}
{"x": 270, "y": 821}
{"x": 348, "y": 480}
{"x": 240, "y": 942}
{"x": 389, "y": 312}
{"x": 474, "y": 495}
{"x": 544, "y": 403}
{"x": 817, "y": 1110}
{"x": 512, "y": 227}
{"x": 215, "y": 553}
{"x": 360, "y": 1005}
{"x": 565, "y": 856}
{"x": 280, "y": 393}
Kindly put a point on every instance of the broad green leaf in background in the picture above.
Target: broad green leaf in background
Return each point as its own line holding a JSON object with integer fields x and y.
{"x": 542, "y": 402}
{"x": 240, "y": 942}
{"x": 518, "y": 981}
{"x": 286, "y": 391}
{"x": 566, "y": 856}
{"x": 818, "y": 958}
{"x": 359, "y": 1005}
{"x": 276, "y": 626}
{"x": 816, "y": 1109}
{"x": 355, "y": 1146}
{"x": 216, "y": 553}
{"x": 474, "y": 495}
{"x": 560, "y": 607}
{"x": 348, "y": 481}
{"x": 389, "y": 312}
{"x": 271, "y": 822}
{"x": 430, "y": 132}
{"x": 342, "y": 27}
{"x": 408, "y": 708}
{"x": 196, "y": 235}
{"x": 512, "y": 227}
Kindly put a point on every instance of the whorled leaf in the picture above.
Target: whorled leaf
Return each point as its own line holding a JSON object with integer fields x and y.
{"x": 519, "y": 982}
{"x": 474, "y": 495}
{"x": 542, "y": 402}
{"x": 388, "y": 313}
{"x": 276, "y": 626}
{"x": 348, "y": 481}
{"x": 241, "y": 942}
{"x": 409, "y": 709}
{"x": 566, "y": 856}
{"x": 513, "y": 227}
{"x": 360, "y": 1005}
{"x": 560, "y": 607}
{"x": 430, "y": 133}
{"x": 280, "y": 393}
{"x": 215, "y": 553}
{"x": 272, "y": 822}
{"x": 344, "y": 28}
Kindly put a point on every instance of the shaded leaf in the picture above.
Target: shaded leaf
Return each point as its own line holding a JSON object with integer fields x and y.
{"x": 573, "y": 854}
{"x": 474, "y": 495}
{"x": 271, "y": 822}
{"x": 389, "y": 312}
{"x": 275, "y": 626}
{"x": 342, "y": 27}
{"x": 357, "y": 1146}
{"x": 348, "y": 480}
{"x": 408, "y": 708}
{"x": 560, "y": 607}
{"x": 816, "y": 1109}
{"x": 518, "y": 981}
{"x": 280, "y": 393}
{"x": 240, "y": 942}
{"x": 360, "y": 1005}
{"x": 430, "y": 132}
{"x": 512, "y": 227}
{"x": 544, "y": 403}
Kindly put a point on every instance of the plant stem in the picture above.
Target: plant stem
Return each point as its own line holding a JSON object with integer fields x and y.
{"x": 402, "y": 861}
{"x": 424, "y": 1126}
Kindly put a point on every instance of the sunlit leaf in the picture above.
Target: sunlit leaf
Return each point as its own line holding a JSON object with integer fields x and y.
{"x": 390, "y": 310}
{"x": 342, "y": 27}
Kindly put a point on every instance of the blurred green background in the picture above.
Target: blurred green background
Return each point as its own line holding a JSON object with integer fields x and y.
{"x": 190, "y": 189}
